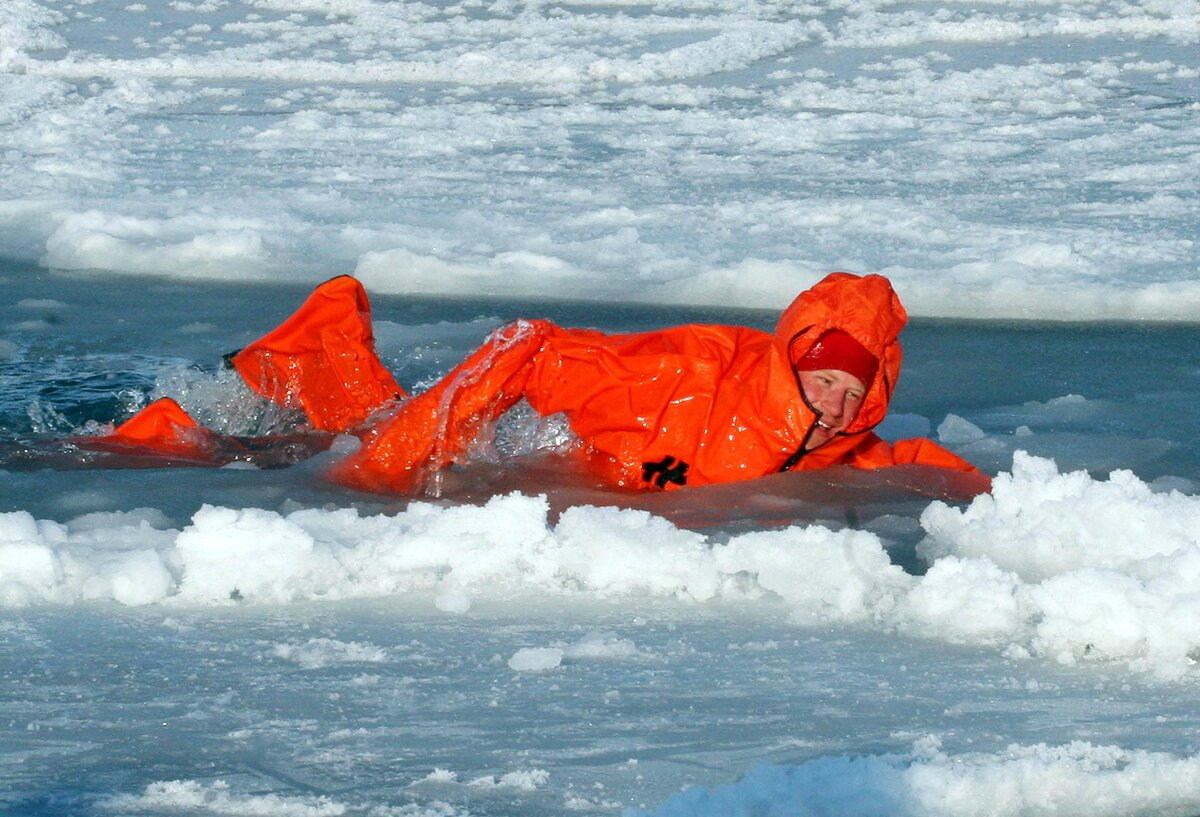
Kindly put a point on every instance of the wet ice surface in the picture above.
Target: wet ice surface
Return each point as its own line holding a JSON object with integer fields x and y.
{"x": 376, "y": 707}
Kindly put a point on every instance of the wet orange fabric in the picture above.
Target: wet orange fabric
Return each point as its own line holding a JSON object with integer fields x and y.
{"x": 164, "y": 428}
{"x": 691, "y": 405}
{"x": 430, "y": 430}
{"x": 322, "y": 360}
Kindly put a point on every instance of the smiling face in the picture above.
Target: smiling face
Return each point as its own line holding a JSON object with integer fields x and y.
{"x": 836, "y": 396}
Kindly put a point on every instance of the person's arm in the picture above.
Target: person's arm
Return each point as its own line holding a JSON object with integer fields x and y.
{"x": 878, "y": 453}
{"x": 430, "y": 430}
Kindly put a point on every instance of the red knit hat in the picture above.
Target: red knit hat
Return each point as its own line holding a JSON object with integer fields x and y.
{"x": 838, "y": 350}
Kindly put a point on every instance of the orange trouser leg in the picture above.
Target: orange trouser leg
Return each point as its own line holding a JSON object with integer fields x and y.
{"x": 322, "y": 359}
{"x": 429, "y": 431}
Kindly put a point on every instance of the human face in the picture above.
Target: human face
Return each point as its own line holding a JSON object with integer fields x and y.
{"x": 836, "y": 396}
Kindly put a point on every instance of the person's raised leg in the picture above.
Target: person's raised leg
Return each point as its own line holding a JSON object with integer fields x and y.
{"x": 322, "y": 360}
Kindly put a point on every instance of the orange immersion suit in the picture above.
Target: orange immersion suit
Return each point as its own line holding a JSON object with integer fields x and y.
{"x": 161, "y": 429}
{"x": 691, "y": 405}
{"x": 322, "y": 359}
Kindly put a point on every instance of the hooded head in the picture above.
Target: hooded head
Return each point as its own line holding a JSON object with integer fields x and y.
{"x": 854, "y": 322}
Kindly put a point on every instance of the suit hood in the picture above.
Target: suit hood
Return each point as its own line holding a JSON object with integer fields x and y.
{"x": 865, "y": 307}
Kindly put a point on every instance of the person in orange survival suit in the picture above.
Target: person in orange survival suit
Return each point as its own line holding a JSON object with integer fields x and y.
{"x": 690, "y": 405}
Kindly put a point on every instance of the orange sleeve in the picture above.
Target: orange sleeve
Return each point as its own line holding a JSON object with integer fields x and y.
{"x": 878, "y": 453}
{"x": 430, "y": 430}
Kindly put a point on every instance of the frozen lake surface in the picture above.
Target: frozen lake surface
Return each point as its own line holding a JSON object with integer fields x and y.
{"x": 176, "y": 176}
{"x": 994, "y": 160}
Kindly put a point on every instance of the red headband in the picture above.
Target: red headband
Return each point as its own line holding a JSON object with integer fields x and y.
{"x": 838, "y": 350}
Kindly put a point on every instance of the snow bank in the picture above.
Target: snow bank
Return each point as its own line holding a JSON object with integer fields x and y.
{"x": 457, "y": 553}
{"x": 204, "y": 246}
{"x": 1055, "y": 565}
{"x": 1075, "y": 779}
{"x": 1067, "y": 566}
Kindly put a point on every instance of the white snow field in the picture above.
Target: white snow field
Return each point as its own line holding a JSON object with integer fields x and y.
{"x": 1027, "y": 159}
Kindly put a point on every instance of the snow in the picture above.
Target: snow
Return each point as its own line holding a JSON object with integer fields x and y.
{"x": 248, "y": 641}
{"x": 1055, "y": 565}
{"x": 1074, "y": 779}
{"x": 999, "y": 161}
{"x": 322, "y": 652}
{"x": 535, "y": 659}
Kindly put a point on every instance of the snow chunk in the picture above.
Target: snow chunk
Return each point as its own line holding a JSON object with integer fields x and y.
{"x": 522, "y": 780}
{"x": 135, "y": 578}
{"x": 322, "y": 652}
{"x": 600, "y": 646}
{"x": 970, "y": 601}
{"x": 219, "y": 798}
{"x": 536, "y": 659}
{"x": 595, "y": 646}
{"x": 954, "y": 430}
{"x": 29, "y": 569}
{"x": 824, "y": 575}
{"x": 246, "y": 554}
{"x": 1106, "y": 569}
{"x": 618, "y": 551}
{"x": 1038, "y": 523}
